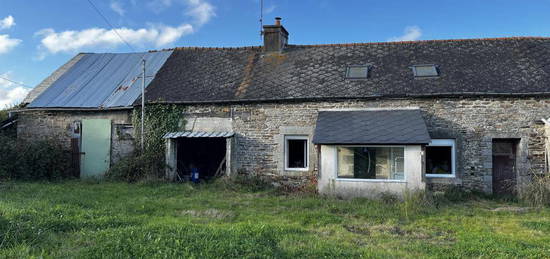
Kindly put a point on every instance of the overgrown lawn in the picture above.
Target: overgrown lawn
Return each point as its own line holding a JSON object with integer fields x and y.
{"x": 118, "y": 220}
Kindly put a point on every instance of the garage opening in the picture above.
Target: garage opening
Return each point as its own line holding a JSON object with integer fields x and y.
{"x": 207, "y": 155}
{"x": 202, "y": 152}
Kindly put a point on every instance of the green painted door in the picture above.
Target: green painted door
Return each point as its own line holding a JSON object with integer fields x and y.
{"x": 96, "y": 147}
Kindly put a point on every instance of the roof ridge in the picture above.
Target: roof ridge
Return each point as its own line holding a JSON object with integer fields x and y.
{"x": 359, "y": 43}
{"x": 423, "y": 41}
{"x": 212, "y": 48}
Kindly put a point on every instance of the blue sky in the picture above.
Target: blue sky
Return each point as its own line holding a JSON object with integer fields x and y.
{"x": 37, "y": 36}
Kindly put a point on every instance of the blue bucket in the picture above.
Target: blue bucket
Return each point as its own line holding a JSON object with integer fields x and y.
{"x": 195, "y": 175}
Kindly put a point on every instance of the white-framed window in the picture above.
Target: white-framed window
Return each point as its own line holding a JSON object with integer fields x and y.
{"x": 440, "y": 158}
{"x": 370, "y": 163}
{"x": 296, "y": 153}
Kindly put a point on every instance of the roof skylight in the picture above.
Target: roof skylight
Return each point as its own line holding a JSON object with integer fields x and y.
{"x": 425, "y": 70}
{"x": 357, "y": 72}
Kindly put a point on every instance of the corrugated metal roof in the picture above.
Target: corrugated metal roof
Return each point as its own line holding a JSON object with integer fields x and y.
{"x": 102, "y": 81}
{"x": 40, "y": 88}
{"x": 371, "y": 127}
{"x": 199, "y": 134}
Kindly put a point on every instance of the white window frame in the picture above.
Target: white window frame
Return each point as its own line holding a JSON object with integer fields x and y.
{"x": 306, "y": 153}
{"x": 445, "y": 143}
{"x": 371, "y": 180}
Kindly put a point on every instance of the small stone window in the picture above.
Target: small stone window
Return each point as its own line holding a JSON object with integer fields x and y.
{"x": 440, "y": 158}
{"x": 296, "y": 153}
{"x": 426, "y": 70}
{"x": 357, "y": 72}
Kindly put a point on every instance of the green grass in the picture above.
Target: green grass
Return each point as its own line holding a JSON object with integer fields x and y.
{"x": 118, "y": 220}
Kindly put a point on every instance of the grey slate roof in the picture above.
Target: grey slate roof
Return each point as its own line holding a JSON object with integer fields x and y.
{"x": 503, "y": 66}
{"x": 371, "y": 127}
{"x": 103, "y": 80}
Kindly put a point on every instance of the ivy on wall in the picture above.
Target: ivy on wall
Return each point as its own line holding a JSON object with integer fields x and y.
{"x": 159, "y": 119}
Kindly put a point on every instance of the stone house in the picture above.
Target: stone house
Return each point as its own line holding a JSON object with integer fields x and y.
{"x": 364, "y": 118}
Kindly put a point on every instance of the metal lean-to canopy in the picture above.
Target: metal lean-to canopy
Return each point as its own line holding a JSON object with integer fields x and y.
{"x": 371, "y": 127}
{"x": 199, "y": 134}
{"x": 102, "y": 81}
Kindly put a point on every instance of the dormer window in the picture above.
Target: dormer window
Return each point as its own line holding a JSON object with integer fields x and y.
{"x": 357, "y": 72}
{"x": 425, "y": 70}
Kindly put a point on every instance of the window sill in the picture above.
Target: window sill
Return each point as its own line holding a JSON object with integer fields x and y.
{"x": 370, "y": 180}
{"x": 297, "y": 169}
{"x": 441, "y": 175}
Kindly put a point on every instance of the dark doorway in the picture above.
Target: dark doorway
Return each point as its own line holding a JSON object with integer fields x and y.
{"x": 504, "y": 166}
{"x": 205, "y": 154}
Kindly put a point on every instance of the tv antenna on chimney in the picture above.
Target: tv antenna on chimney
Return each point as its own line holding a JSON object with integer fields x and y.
{"x": 261, "y": 18}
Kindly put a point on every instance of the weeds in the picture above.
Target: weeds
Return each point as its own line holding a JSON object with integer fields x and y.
{"x": 537, "y": 191}
{"x": 249, "y": 183}
{"x": 138, "y": 167}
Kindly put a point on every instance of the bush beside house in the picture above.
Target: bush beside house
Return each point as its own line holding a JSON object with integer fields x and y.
{"x": 32, "y": 160}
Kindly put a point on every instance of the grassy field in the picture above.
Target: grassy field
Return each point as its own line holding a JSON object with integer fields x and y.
{"x": 117, "y": 220}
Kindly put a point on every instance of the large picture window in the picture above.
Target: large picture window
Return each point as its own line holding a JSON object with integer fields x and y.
{"x": 381, "y": 163}
{"x": 440, "y": 158}
{"x": 296, "y": 153}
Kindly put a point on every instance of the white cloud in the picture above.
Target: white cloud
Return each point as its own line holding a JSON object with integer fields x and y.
{"x": 10, "y": 93}
{"x": 98, "y": 38}
{"x": 7, "y": 22}
{"x": 158, "y": 6}
{"x": 7, "y": 43}
{"x": 117, "y": 8}
{"x": 409, "y": 34}
{"x": 200, "y": 10}
{"x": 270, "y": 9}
{"x": 156, "y": 35}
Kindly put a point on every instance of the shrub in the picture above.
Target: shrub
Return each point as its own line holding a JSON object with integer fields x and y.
{"x": 8, "y": 156}
{"x": 33, "y": 160}
{"x": 537, "y": 191}
{"x": 138, "y": 167}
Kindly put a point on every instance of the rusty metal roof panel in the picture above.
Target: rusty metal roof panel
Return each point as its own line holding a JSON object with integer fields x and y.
{"x": 102, "y": 81}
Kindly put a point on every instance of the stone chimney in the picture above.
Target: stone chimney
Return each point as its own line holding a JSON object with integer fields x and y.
{"x": 275, "y": 36}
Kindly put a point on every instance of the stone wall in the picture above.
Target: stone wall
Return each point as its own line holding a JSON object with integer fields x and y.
{"x": 58, "y": 125}
{"x": 473, "y": 122}
{"x": 259, "y": 128}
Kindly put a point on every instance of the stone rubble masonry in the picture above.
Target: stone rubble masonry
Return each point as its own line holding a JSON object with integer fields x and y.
{"x": 57, "y": 125}
{"x": 259, "y": 130}
{"x": 473, "y": 122}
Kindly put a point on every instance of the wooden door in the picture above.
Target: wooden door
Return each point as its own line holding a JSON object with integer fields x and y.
{"x": 504, "y": 167}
